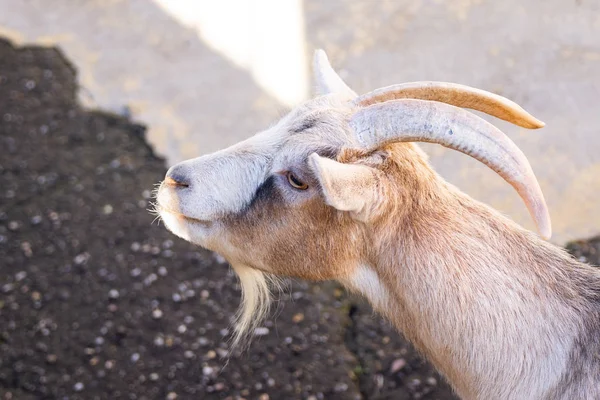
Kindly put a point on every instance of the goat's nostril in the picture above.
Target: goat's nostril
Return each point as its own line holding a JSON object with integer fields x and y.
{"x": 176, "y": 181}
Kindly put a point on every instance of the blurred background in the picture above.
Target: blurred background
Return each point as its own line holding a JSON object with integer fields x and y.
{"x": 202, "y": 75}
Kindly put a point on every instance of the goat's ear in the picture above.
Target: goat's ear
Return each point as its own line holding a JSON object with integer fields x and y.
{"x": 328, "y": 81}
{"x": 348, "y": 187}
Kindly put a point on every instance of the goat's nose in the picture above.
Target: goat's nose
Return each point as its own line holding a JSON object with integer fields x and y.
{"x": 175, "y": 177}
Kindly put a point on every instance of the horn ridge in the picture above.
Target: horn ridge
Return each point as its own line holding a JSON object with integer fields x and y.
{"x": 411, "y": 120}
{"x": 456, "y": 95}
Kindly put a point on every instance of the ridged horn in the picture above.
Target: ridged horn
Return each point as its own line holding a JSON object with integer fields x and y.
{"x": 410, "y": 120}
{"x": 456, "y": 95}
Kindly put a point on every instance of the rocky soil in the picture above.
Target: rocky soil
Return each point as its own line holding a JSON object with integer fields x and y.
{"x": 99, "y": 302}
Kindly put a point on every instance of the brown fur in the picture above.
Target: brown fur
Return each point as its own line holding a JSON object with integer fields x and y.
{"x": 444, "y": 258}
{"x": 444, "y": 254}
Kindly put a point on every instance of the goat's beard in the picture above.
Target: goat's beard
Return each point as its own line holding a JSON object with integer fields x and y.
{"x": 255, "y": 303}
{"x": 256, "y": 285}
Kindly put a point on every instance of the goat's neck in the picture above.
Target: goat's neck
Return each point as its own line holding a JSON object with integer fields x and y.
{"x": 480, "y": 297}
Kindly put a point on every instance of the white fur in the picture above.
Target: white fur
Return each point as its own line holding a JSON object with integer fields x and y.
{"x": 209, "y": 196}
{"x": 256, "y": 300}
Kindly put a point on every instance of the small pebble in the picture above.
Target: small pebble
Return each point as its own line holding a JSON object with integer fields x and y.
{"x": 431, "y": 381}
{"x": 219, "y": 386}
{"x": 219, "y": 258}
{"x": 207, "y": 371}
{"x": 150, "y": 279}
{"x": 157, "y": 313}
{"x": 159, "y": 341}
{"x": 81, "y": 259}
{"x": 261, "y": 331}
{"x": 26, "y": 247}
{"x": 171, "y": 396}
{"x": 153, "y": 376}
{"x": 397, "y": 365}
{"x": 211, "y": 354}
{"x": 340, "y": 387}
{"x": 135, "y": 357}
{"x": 379, "y": 381}
{"x": 78, "y": 387}
{"x": 298, "y": 318}
{"x": 113, "y": 294}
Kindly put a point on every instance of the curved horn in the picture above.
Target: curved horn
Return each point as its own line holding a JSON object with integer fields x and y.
{"x": 411, "y": 120}
{"x": 456, "y": 95}
{"x": 328, "y": 81}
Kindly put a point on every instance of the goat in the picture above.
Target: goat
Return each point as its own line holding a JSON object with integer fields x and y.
{"x": 338, "y": 189}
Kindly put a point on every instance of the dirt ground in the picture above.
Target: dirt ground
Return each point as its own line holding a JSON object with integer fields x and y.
{"x": 98, "y": 302}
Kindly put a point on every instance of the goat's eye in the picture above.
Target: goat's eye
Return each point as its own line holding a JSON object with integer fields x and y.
{"x": 295, "y": 182}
